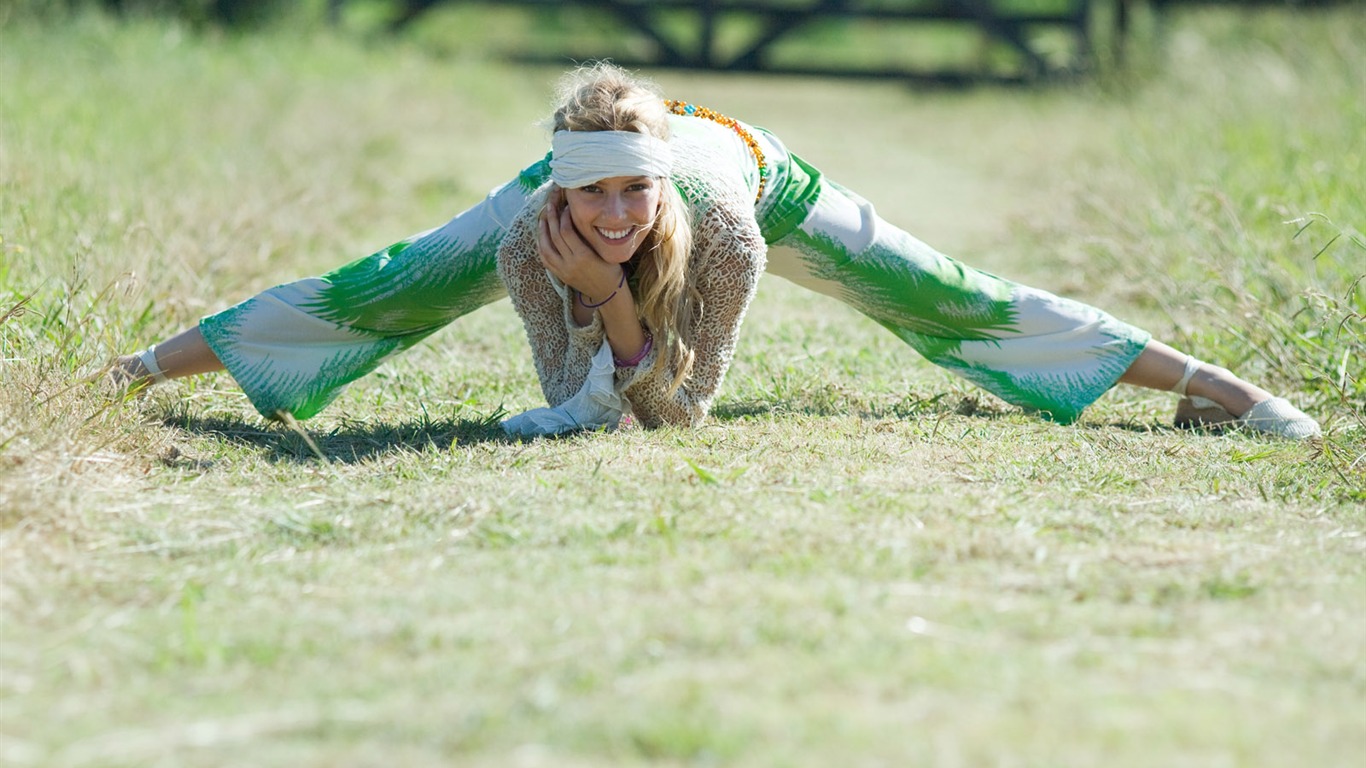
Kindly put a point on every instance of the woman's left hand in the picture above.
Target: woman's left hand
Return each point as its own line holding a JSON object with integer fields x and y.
{"x": 569, "y": 258}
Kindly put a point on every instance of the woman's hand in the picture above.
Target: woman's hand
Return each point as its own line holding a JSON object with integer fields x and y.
{"x": 569, "y": 258}
{"x": 601, "y": 285}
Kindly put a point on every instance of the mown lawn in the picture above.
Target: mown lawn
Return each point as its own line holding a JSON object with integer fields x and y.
{"x": 858, "y": 560}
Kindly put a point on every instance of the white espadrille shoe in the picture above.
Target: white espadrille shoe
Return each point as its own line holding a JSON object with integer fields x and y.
{"x": 1274, "y": 416}
{"x": 1278, "y": 417}
{"x": 132, "y": 374}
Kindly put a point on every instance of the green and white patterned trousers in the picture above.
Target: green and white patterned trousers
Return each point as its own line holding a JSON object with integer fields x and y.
{"x": 294, "y": 347}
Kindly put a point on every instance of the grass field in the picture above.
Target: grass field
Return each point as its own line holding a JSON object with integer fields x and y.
{"x": 858, "y": 560}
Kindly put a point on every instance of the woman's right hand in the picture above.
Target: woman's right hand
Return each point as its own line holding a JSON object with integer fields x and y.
{"x": 568, "y": 257}
{"x": 600, "y": 284}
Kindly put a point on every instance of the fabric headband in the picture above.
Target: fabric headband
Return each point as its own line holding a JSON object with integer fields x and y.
{"x": 579, "y": 158}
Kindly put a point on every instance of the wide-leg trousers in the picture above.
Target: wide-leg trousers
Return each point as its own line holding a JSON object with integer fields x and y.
{"x": 294, "y": 347}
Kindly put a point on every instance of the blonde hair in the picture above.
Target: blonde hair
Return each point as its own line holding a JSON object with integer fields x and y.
{"x": 605, "y": 97}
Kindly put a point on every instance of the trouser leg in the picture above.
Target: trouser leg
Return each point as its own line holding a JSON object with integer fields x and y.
{"x": 1027, "y": 346}
{"x": 294, "y": 347}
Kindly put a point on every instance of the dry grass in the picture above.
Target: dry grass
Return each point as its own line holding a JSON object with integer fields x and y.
{"x": 858, "y": 561}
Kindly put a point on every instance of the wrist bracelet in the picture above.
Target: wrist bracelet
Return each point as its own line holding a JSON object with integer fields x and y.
{"x": 644, "y": 350}
{"x": 613, "y": 295}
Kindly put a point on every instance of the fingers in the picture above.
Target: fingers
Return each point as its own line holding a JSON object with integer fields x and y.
{"x": 545, "y": 244}
{"x": 567, "y": 238}
{"x": 568, "y": 256}
{"x": 557, "y": 227}
{"x": 560, "y": 248}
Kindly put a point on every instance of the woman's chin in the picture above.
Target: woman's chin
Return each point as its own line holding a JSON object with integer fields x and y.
{"x": 616, "y": 254}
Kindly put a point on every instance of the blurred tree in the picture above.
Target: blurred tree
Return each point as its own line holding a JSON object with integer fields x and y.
{"x": 225, "y": 13}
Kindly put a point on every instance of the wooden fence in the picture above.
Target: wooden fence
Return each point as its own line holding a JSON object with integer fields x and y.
{"x": 701, "y": 34}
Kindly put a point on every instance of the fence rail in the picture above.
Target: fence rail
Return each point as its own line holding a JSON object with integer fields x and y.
{"x": 1010, "y": 25}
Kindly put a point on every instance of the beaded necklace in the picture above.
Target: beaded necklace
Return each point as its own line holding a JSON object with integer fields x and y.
{"x": 692, "y": 110}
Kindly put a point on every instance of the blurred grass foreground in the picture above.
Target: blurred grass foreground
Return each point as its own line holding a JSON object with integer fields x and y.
{"x": 858, "y": 560}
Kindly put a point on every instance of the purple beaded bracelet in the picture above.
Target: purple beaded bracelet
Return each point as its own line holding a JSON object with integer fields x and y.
{"x": 644, "y": 350}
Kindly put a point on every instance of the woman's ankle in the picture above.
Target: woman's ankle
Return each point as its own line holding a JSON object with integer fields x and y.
{"x": 1223, "y": 387}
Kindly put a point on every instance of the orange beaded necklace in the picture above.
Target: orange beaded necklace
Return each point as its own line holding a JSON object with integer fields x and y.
{"x": 692, "y": 110}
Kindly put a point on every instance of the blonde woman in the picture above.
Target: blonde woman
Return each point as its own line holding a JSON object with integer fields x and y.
{"x": 632, "y": 252}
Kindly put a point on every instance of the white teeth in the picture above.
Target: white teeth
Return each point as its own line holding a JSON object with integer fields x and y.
{"x": 614, "y": 234}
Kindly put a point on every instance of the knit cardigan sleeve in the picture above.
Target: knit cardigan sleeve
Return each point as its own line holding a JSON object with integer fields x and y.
{"x": 728, "y": 258}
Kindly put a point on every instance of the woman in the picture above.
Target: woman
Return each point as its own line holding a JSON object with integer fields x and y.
{"x": 632, "y": 252}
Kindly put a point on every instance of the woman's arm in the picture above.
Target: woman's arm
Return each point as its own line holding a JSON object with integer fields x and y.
{"x": 561, "y": 348}
{"x": 599, "y": 287}
{"x": 728, "y": 257}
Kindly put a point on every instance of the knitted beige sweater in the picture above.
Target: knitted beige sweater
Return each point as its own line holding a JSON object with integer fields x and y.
{"x": 728, "y": 257}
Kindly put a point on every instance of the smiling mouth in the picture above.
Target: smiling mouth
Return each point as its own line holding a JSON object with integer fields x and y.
{"x": 615, "y": 234}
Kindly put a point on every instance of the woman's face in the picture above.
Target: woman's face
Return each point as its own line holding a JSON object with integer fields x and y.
{"x": 615, "y": 214}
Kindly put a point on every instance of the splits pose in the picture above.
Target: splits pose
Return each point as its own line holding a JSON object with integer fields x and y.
{"x": 632, "y": 252}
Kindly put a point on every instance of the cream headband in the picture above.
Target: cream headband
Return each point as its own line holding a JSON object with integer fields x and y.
{"x": 580, "y": 158}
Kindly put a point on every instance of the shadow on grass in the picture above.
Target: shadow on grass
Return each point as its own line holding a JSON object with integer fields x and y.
{"x": 1138, "y": 427}
{"x": 353, "y": 441}
{"x": 347, "y": 443}
{"x": 911, "y": 407}
{"x": 972, "y": 406}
